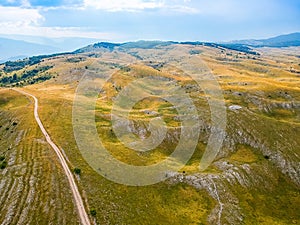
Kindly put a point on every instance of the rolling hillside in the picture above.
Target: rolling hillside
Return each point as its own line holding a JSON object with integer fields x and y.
{"x": 254, "y": 178}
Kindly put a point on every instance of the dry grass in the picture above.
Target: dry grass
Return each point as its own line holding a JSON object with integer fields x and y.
{"x": 33, "y": 187}
{"x": 164, "y": 203}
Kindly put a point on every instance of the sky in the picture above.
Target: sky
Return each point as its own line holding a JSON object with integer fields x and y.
{"x": 130, "y": 20}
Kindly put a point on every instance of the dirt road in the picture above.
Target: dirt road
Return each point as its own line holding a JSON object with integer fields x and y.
{"x": 77, "y": 197}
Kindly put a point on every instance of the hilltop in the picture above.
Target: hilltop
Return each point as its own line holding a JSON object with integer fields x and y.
{"x": 40, "y": 45}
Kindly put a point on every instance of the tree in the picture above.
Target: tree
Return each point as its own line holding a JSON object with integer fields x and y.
{"x": 15, "y": 77}
{"x": 77, "y": 171}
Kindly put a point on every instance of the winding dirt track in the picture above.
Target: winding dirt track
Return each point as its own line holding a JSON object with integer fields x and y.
{"x": 77, "y": 197}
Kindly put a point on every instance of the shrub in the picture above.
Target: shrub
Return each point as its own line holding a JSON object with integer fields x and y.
{"x": 3, "y": 165}
{"x": 195, "y": 52}
{"x": 93, "y": 212}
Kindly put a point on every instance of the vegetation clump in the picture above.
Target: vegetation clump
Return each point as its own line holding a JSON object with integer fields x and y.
{"x": 30, "y": 77}
{"x": 11, "y": 66}
{"x": 3, "y": 164}
{"x": 93, "y": 212}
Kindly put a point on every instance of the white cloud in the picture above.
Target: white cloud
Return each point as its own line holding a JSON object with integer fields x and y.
{"x": 20, "y": 16}
{"x": 140, "y": 5}
{"x": 123, "y": 5}
{"x": 24, "y": 21}
{"x": 237, "y": 10}
{"x": 183, "y": 9}
{"x": 55, "y": 32}
{"x": 25, "y": 3}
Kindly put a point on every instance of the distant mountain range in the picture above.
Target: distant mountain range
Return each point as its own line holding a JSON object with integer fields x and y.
{"x": 286, "y": 40}
{"x": 13, "y": 47}
{"x": 18, "y": 47}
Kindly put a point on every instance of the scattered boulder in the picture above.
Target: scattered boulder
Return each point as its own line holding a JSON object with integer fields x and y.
{"x": 235, "y": 107}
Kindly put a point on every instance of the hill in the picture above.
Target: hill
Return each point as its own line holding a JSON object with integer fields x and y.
{"x": 125, "y": 46}
{"x": 13, "y": 49}
{"x": 253, "y": 178}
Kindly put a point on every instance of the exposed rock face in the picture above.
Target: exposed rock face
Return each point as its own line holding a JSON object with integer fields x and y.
{"x": 222, "y": 187}
{"x": 227, "y": 204}
{"x": 268, "y": 105}
{"x": 277, "y": 148}
{"x": 280, "y": 149}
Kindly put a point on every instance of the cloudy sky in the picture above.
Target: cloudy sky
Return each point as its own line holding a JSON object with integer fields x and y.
{"x": 124, "y": 20}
